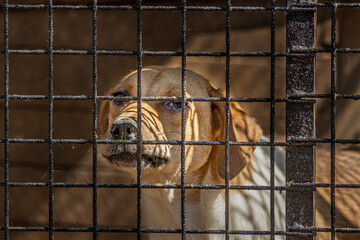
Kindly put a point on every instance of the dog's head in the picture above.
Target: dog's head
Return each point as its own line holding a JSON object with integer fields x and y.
{"x": 161, "y": 121}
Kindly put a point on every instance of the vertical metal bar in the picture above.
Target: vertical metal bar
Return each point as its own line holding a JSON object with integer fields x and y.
{"x": 227, "y": 121}
{"x": 139, "y": 137}
{"x": 183, "y": 118}
{"x": 51, "y": 114}
{"x": 6, "y": 118}
{"x": 300, "y": 31}
{"x": 95, "y": 81}
{"x": 272, "y": 123}
{"x": 333, "y": 104}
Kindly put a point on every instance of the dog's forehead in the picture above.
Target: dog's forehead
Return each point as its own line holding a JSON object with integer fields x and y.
{"x": 166, "y": 82}
{"x": 195, "y": 85}
{"x": 130, "y": 81}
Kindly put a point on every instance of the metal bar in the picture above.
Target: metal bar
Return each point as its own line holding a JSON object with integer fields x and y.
{"x": 300, "y": 31}
{"x": 272, "y": 122}
{"x": 291, "y": 187}
{"x": 295, "y": 98}
{"x": 296, "y": 52}
{"x": 338, "y": 230}
{"x": 227, "y": 121}
{"x": 296, "y": 7}
{"x": 291, "y": 142}
{"x": 333, "y": 114}
{"x": 6, "y": 122}
{"x": 167, "y": 53}
{"x": 139, "y": 136}
{"x": 176, "y": 54}
{"x": 183, "y": 118}
{"x": 192, "y": 231}
{"x": 95, "y": 120}
{"x": 51, "y": 115}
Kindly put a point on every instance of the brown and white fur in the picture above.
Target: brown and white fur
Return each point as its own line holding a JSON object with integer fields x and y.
{"x": 204, "y": 164}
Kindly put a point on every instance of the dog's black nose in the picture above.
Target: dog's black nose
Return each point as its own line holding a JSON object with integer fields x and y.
{"x": 124, "y": 130}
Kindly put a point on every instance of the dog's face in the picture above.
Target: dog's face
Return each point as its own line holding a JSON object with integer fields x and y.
{"x": 161, "y": 121}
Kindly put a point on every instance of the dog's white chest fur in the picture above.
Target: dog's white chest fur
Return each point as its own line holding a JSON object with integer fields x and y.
{"x": 249, "y": 209}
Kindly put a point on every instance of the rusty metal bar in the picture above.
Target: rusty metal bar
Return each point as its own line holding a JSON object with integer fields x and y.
{"x": 300, "y": 32}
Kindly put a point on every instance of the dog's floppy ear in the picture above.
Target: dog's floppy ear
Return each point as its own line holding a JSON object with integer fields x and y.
{"x": 242, "y": 128}
{"x": 104, "y": 115}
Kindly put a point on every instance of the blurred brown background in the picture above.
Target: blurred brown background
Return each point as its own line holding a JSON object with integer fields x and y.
{"x": 250, "y": 77}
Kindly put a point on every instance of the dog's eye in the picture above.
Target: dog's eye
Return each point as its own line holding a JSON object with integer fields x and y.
{"x": 174, "y": 105}
{"x": 119, "y": 101}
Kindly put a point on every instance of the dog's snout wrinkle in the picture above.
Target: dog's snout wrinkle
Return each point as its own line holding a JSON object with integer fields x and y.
{"x": 124, "y": 129}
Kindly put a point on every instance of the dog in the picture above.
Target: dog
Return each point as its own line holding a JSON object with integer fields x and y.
{"x": 249, "y": 210}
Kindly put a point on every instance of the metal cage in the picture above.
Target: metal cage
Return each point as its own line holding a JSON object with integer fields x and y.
{"x": 300, "y": 98}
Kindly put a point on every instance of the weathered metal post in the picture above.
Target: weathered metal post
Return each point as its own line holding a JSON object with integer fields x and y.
{"x": 300, "y": 32}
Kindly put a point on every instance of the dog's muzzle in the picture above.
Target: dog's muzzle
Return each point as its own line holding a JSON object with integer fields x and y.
{"x": 124, "y": 154}
{"x": 124, "y": 129}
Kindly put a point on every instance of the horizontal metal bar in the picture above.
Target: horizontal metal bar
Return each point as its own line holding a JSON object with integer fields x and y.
{"x": 46, "y": 52}
{"x": 45, "y": 97}
{"x": 347, "y": 5}
{"x": 86, "y": 141}
{"x": 134, "y": 53}
{"x": 134, "y": 8}
{"x": 338, "y": 96}
{"x": 232, "y": 54}
{"x": 294, "y": 98}
{"x": 309, "y": 95}
{"x": 308, "y": 140}
{"x": 46, "y": 229}
{"x": 295, "y": 52}
{"x": 173, "y": 142}
{"x": 297, "y": 7}
{"x": 347, "y": 50}
{"x": 323, "y": 185}
{"x": 348, "y": 96}
{"x": 314, "y": 229}
{"x": 329, "y": 5}
{"x": 291, "y": 186}
{"x": 127, "y": 98}
{"x": 325, "y": 50}
{"x": 323, "y": 140}
{"x": 144, "y": 230}
{"x": 161, "y": 186}
{"x": 292, "y": 142}
{"x": 193, "y": 231}
{"x": 232, "y": 232}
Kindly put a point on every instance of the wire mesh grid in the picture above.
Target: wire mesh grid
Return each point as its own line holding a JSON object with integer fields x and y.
{"x": 307, "y": 9}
